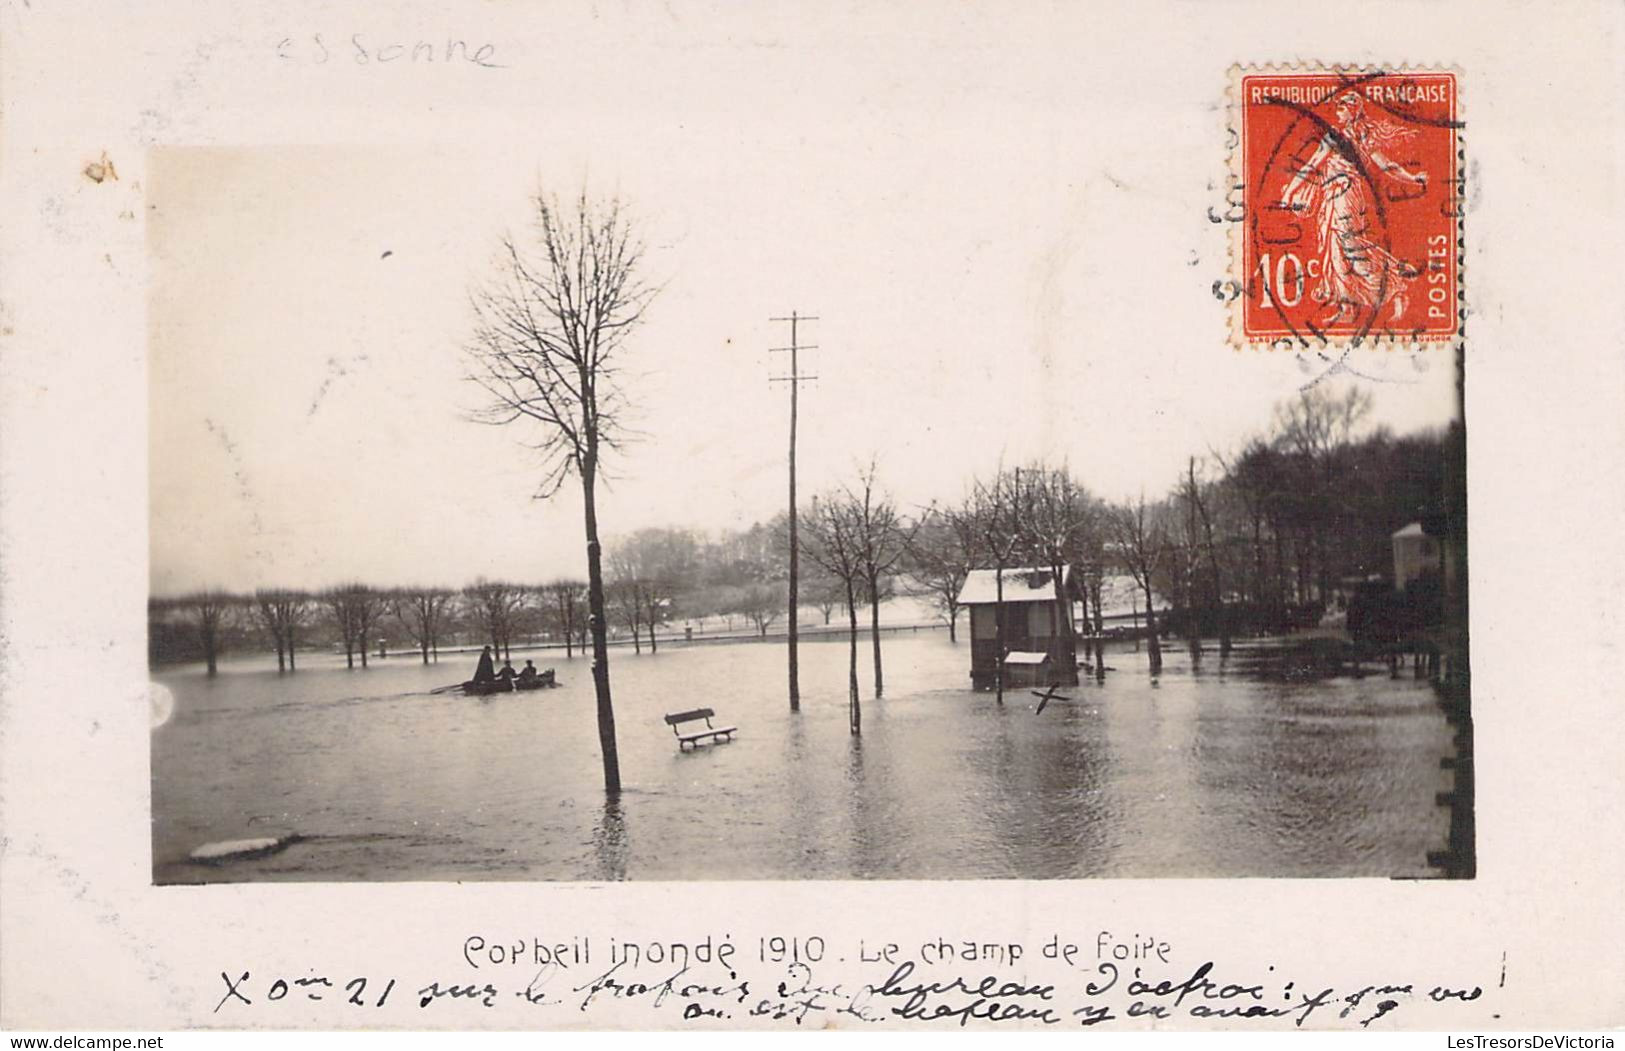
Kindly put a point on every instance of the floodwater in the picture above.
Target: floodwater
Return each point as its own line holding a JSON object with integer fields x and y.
{"x": 1198, "y": 773}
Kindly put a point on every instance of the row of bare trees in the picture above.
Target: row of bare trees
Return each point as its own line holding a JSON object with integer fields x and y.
{"x": 207, "y": 623}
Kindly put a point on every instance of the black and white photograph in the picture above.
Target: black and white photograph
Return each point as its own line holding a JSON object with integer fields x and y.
{"x": 734, "y": 518}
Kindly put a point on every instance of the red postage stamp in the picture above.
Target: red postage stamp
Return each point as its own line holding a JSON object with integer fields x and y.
{"x": 1349, "y": 225}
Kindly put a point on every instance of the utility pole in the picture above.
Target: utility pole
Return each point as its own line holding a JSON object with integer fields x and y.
{"x": 795, "y": 380}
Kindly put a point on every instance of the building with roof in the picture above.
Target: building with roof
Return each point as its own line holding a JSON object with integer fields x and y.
{"x": 1038, "y": 644}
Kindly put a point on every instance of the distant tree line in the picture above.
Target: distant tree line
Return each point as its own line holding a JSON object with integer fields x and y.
{"x": 653, "y": 578}
{"x": 361, "y": 620}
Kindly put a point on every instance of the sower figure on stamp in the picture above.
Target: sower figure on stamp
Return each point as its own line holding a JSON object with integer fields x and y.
{"x": 1355, "y": 271}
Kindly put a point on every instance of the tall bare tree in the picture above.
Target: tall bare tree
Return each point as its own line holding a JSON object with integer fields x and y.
{"x": 882, "y": 536}
{"x": 551, "y": 328}
{"x": 830, "y": 539}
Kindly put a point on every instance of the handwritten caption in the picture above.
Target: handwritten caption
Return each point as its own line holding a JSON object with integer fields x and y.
{"x": 796, "y": 980}
{"x": 360, "y": 49}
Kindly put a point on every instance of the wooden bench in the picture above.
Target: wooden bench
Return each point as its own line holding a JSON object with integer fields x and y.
{"x": 694, "y": 737}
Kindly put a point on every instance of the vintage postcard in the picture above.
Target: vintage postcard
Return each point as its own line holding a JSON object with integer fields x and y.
{"x": 907, "y": 518}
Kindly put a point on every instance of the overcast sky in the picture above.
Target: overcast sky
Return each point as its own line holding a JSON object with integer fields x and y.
{"x": 999, "y": 274}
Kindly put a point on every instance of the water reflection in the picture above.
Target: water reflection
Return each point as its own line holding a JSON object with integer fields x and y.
{"x": 1073, "y": 769}
{"x": 806, "y": 821}
{"x": 609, "y": 840}
{"x": 862, "y": 861}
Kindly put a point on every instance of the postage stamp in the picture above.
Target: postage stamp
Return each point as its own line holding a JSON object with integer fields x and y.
{"x": 1348, "y": 230}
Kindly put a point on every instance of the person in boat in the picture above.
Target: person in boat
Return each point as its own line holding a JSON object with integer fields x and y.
{"x": 485, "y": 672}
{"x": 527, "y": 674}
{"x": 507, "y": 673}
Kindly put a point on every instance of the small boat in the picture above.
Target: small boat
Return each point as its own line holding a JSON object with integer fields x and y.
{"x": 483, "y": 689}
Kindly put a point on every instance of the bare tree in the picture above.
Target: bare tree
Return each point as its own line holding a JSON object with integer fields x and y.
{"x": 354, "y": 609}
{"x": 564, "y": 599}
{"x": 369, "y": 606}
{"x": 730, "y": 603}
{"x": 299, "y": 608}
{"x": 662, "y": 563}
{"x": 823, "y": 591}
{"x": 1254, "y": 478}
{"x": 659, "y": 600}
{"x": 1141, "y": 540}
{"x": 763, "y": 604}
{"x": 830, "y": 539}
{"x": 942, "y": 553}
{"x": 1200, "y": 497}
{"x": 265, "y": 613}
{"x": 626, "y": 594}
{"x": 422, "y": 612}
{"x": 496, "y": 605}
{"x": 337, "y": 603}
{"x": 211, "y": 613}
{"x": 1057, "y": 522}
{"x": 882, "y": 536}
{"x": 1184, "y": 559}
{"x": 722, "y": 600}
{"x": 550, "y": 331}
{"x": 995, "y": 509}
{"x": 282, "y": 613}
{"x": 1314, "y": 428}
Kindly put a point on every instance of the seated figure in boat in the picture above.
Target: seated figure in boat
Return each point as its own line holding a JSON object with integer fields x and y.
{"x": 527, "y": 674}
{"x": 485, "y": 672}
{"x": 507, "y": 673}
